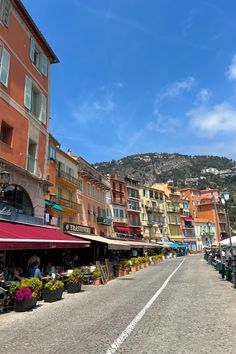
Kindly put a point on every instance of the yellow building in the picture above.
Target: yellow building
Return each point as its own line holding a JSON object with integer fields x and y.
{"x": 152, "y": 213}
{"x": 172, "y": 211}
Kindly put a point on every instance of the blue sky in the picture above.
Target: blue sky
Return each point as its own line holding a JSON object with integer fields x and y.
{"x": 140, "y": 76}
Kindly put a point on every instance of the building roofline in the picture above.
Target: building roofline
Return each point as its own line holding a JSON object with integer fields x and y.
{"x": 32, "y": 24}
{"x": 51, "y": 137}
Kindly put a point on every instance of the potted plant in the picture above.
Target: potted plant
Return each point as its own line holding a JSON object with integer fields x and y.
{"x": 27, "y": 294}
{"x": 75, "y": 281}
{"x": 53, "y": 291}
{"x": 135, "y": 262}
{"x": 96, "y": 277}
{"x": 146, "y": 261}
{"x": 142, "y": 262}
{"x": 117, "y": 270}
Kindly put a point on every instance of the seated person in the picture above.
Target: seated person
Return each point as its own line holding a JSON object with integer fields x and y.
{"x": 50, "y": 269}
{"x": 33, "y": 271}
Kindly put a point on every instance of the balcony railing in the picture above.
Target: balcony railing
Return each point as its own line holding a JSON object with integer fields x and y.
{"x": 119, "y": 202}
{"x": 173, "y": 210}
{"x": 129, "y": 207}
{"x": 104, "y": 221}
{"x": 124, "y": 220}
{"x": 154, "y": 209}
{"x": 66, "y": 177}
{"x": 68, "y": 203}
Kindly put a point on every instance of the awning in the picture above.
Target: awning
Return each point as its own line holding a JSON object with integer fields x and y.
{"x": 112, "y": 244}
{"x": 226, "y": 242}
{"x": 139, "y": 244}
{"x": 15, "y": 236}
{"x": 173, "y": 245}
{"x": 53, "y": 205}
{"x": 188, "y": 219}
{"x": 120, "y": 228}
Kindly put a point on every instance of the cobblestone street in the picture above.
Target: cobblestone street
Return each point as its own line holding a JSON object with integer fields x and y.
{"x": 195, "y": 313}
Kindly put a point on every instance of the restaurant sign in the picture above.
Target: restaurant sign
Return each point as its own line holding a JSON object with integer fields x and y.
{"x": 68, "y": 227}
{"x": 7, "y": 212}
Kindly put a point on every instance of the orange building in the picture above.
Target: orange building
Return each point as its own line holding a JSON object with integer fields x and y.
{"x": 24, "y": 109}
{"x": 194, "y": 197}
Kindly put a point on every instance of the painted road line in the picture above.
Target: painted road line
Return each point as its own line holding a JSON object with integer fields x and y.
{"x": 125, "y": 334}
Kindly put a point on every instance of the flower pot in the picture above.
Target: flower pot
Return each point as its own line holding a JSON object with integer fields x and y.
{"x": 97, "y": 281}
{"x": 74, "y": 287}
{"x": 142, "y": 266}
{"x": 133, "y": 269}
{"x": 123, "y": 272}
{"x": 25, "y": 305}
{"x": 52, "y": 295}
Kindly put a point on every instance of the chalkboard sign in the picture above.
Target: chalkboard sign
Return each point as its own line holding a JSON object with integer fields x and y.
{"x": 110, "y": 269}
{"x": 104, "y": 276}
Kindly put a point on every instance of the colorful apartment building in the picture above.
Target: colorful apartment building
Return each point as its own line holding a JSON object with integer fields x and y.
{"x": 187, "y": 223}
{"x": 119, "y": 206}
{"x": 152, "y": 207}
{"x": 96, "y": 199}
{"x": 133, "y": 208}
{"x": 172, "y": 211}
{"x": 24, "y": 110}
{"x": 205, "y": 233}
{"x": 194, "y": 197}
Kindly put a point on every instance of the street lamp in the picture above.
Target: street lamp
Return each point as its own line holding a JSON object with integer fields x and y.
{"x": 209, "y": 231}
{"x": 224, "y": 200}
{"x": 4, "y": 182}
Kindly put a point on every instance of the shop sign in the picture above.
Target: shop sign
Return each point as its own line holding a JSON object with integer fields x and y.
{"x": 7, "y": 212}
{"x": 68, "y": 227}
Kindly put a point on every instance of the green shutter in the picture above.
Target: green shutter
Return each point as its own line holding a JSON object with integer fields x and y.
{"x": 32, "y": 49}
{"x": 28, "y": 89}
{"x": 4, "y": 67}
{"x": 6, "y": 12}
{"x": 44, "y": 109}
{"x": 44, "y": 65}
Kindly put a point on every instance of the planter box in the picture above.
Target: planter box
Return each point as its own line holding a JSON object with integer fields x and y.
{"x": 52, "y": 295}
{"x": 74, "y": 287}
{"x": 97, "y": 281}
{"x": 25, "y": 305}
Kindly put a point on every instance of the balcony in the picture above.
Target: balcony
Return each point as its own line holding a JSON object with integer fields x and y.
{"x": 119, "y": 202}
{"x": 120, "y": 220}
{"x": 131, "y": 208}
{"x": 133, "y": 195}
{"x": 173, "y": 210}
{"x": 104, "y": 221}
{"x": 70, "y": 179}
{"x": 67, "y": 203}
{"x": 154, "y": 209}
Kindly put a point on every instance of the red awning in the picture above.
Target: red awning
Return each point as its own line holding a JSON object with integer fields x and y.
{"x": 119, "y": 228}
{"x": 15, "y": 236}
{"x": 188, "y": 219}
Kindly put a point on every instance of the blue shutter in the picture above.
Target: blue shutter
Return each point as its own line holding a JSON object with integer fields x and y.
{"x": 32, "y": 49}
{"x": 4, "y": 67}
{"x": 28, "y": 89}
{"x": 44, "y": 109}
{"x": 44, "y": 65}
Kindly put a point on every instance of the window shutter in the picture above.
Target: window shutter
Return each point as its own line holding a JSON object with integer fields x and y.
{"x": 32, "y": 49}
{"x": 28, "y": 89}
{"x": 44, "y": 109}
{"x": 44, "y": 65}
{"x": 4, "y": 67}
{"x": 6, "y": 12}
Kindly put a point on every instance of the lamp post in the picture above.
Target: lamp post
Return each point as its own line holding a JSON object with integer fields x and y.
{"x": 224, "y": 200}
{"x": 4, "y": 182}
{"x": 209, "y": 231}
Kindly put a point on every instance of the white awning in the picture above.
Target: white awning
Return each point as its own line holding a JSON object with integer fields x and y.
{"x": 112, "y": 244}
{"x": 226, "y": 242}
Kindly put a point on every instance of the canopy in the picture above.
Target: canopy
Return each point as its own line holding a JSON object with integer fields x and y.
{"x": 226, "y": 242}
{"x": 14, "y": 236}
{"x": 53, "y": 205}
{"x": 112, "y": 244}
{"x": 173, "y": 245}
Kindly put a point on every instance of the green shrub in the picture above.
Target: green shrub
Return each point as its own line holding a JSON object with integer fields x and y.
{"x": 76, "y": 276}
{"x": 135, "y": 261}
{"x": 54, "y": 285}
{"x": 15, "y": 285}
{"x": 96, "y": 273}
{"x": 34, "y": 284}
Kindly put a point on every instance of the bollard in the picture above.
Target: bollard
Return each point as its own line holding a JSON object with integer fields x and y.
{"x": 227, "y": 272}
{"x": 220, "y": 268}
{"x": 223, "y": 274}
{"x": 234, "y": 279}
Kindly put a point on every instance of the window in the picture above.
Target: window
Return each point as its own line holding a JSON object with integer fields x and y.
{"x": 51, "y": 152}
{"x": 18, "y": 197}
{"x": 144, "y": 192}
{"x": 59, "y": 192}
{"x": 4, "y": 66}
{"x": 71, "y": 219}
{"x": 94, "y": 213}
{"x": 89, "y": 213}
{"x": 88, "y": 189}
{"x": 35, "y": 101}
{"x": 151, "y": 194}
{"x": 121, "y": 213}
{"x": 6, "y": 133}
{"x": 38, "y": 58}
{"x": 5, "y": 8}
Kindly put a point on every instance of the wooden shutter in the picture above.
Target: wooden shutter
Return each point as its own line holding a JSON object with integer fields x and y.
{"x": 4, "y": 67}
{"x": 44, "y": 109}
{"x": 28, "y": 89}
{"x": 44, "y": 65}
{"x": 32, "y": 49}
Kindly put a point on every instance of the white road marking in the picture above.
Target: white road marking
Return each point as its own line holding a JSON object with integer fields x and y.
{"x": 125, "y": 334}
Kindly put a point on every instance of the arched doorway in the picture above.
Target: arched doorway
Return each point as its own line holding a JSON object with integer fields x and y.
{"x": 17, "y": 197}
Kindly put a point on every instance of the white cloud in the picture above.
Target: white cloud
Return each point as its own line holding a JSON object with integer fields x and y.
{"x": 163, "y": 123}
{"x": 203, "y": 96}
{"x": 231, "y": 72}
{"x": 95, "y": 107}
{"x": 219, "y": 119}
{"x": 178, "y": 87}
{"x": 119, "y": 84}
